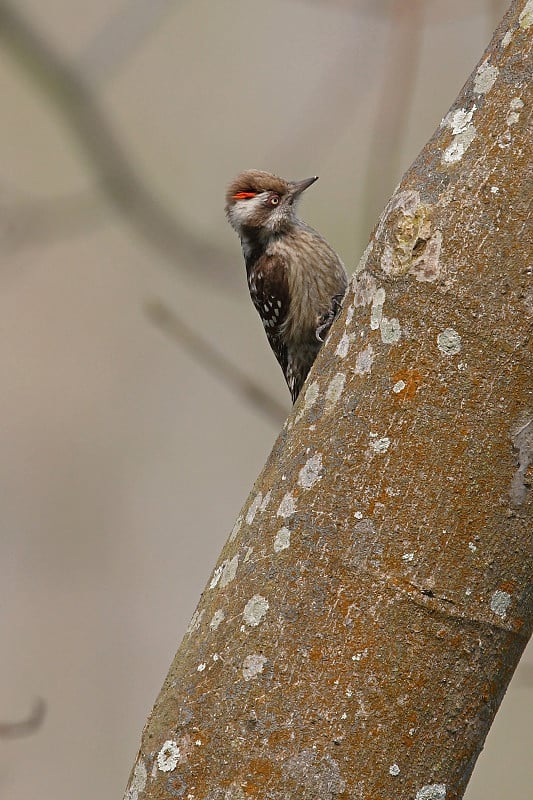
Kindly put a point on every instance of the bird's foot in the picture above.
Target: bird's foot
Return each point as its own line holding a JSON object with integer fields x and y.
{"x": 326, "y": 320}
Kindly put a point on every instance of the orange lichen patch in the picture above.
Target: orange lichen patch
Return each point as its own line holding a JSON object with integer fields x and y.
{"x": 315, "y": 654}
{"x": 344, "y": 603}
{"x": 461, "y": 443}
{"x": 517, "y": 624}
{"x": 507, "y": 586}
{"x": 263, "y": 773}
{"x": 407, "y": 740}
{"x": 412, "y": 380}
{"x": 279, "y": 739}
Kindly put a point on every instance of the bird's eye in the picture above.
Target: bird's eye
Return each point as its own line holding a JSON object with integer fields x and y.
{"x": 274, "y": 200}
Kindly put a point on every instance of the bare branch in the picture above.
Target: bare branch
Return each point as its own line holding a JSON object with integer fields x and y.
{"x": 28, "y": 223}
{"x": 124, "y": 31}
{"x": 115, "y": 174}
{"x": 216, "y": 363}
{"x": 25, "y": 727}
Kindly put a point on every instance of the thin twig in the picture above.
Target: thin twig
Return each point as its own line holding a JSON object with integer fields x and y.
{"x": 29, "y": 222}
{"x": 25, "y": 727}
{"x": 115, "y": 173}
{"x": 217, "y": 364}
{"x": 120, "y": 35}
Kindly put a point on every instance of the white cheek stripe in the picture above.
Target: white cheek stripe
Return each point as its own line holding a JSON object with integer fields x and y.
{"x": 244, "y": 209}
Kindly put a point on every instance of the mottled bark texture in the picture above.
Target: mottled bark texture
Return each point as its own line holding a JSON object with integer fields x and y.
{"x": 371, "y": 603}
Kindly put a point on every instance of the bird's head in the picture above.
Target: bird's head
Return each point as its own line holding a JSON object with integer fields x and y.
{"x": 257, "y": 201}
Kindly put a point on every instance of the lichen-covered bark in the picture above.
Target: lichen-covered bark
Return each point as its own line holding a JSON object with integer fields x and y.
{"x": 372, "y": 602}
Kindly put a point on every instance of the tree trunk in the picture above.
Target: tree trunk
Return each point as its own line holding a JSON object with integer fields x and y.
{"x": 371, "y": 603}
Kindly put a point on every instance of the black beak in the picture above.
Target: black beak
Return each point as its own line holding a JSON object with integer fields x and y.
{"x": 297, "y": 187}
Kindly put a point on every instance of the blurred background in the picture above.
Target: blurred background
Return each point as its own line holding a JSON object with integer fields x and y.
{"x": 139, "y": 398}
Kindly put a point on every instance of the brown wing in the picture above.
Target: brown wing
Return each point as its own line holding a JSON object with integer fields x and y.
{"x": 269, "y": 290}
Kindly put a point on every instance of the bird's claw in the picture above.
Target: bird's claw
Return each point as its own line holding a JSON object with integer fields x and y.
{"x": 326, "y": 320}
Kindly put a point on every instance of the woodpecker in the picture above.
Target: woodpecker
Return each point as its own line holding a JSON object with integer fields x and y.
{"x": 296, "y": 280}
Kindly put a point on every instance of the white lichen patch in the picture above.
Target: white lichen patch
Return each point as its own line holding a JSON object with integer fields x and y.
{"x": 335, "y": 389}
{"x": 364, "y": 361}
{"x": 168, "y": 756}
{"x": 485, "y": 78}
{"x": 507, "y": 39}
{"x": 310, "y": 398}
{"x": 229, "y": 571}
{"x": 525, "y": 20}
{"x": 459, "y": 145}
{"x": 255, "y": 505}
{"x": 138, "y": 781}
{"x": 390, "y": 330}
{"x": 287, "y": 507}
{"x": 236, "y": 529}
{"x": 248, "y": 555}
{"x": 399, "y": 386}
{"x": 225, "y": 572}
{"x": 376, "y": 311}
{"x": 500, "y": 602}
{"x": 516, "y": 105}
{"x": 359, "y": 656}
{"x": 201, "y": 667}
{"x": 311, "y": 395}
{"x": 380, "y": 445}
{"x": 364, "y": 258}
{"x": 349, "y": 316}
{"x": 266, "y": 501}
{"x": 343, "y": 346}
{"x": 522, "y": 440}
{"x": 196, "y": 620}
{"x": 255, "y": 610}
{"x": 282, "y": 540}
{"x": 432, "y": 791}
{"x": 216, "y": 575}
{"x": 216, "y": 619}
{"x": 364, "y": 288}
{"x": 449, "y": 342}
{"x": 459, "y": 120}
{"x": 505, "y": 139}
{"x": 408, "y": 557}
{"x": 252, "y": 666}
{"x": 394, "y": 770}
{"x": 311, "y": 472}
